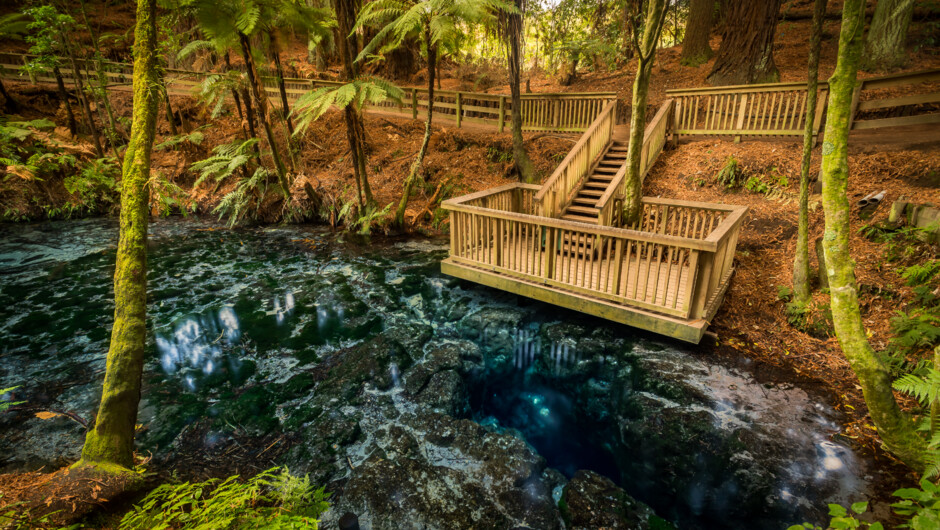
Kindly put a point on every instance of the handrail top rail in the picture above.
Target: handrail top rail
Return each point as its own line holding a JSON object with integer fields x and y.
{"x": 608, "y": 108}
{"x": 928, "y": 75}
{"x": 719, "y": 233}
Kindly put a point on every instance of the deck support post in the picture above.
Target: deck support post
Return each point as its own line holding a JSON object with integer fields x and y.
{"x": 702, "y": 281}
{"x": 739, "y": 124}
{"x": 502, "y": 113}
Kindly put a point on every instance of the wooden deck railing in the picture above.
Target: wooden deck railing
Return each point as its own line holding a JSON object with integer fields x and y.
{"x": 654, "y": 140}
{"x": 776, "y": 109}
{"x": 556, "y": 191}
{"x": 562, "y": 112}
{"x": 874, "y": 106}
{"x": 679, "y": 264}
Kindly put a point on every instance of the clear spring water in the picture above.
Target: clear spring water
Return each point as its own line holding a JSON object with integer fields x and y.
{"x": 231, "y": 310}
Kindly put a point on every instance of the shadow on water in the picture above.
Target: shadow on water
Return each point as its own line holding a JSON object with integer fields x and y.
{"x": 242, "y": 320}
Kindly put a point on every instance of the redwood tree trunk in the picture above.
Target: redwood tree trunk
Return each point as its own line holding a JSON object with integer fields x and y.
{"x": 695, "y": 47}
{"x": 888, "y": 33}
{"x": 746, "y": 52}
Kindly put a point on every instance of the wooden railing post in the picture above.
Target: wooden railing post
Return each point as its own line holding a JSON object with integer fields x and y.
{"x": 502, "y": 112}
{"x": 549, "y": 271}
{"x": 555, "y": 111}
{"x": 459, "y": 108}
{"x": 702, "y": 280}
{"x": 817, "y": 120}
{"x": 739, "y": 124}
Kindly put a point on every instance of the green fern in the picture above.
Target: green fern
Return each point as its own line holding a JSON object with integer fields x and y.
{"x": 225, "y": 161}
{"x": 245, "y": 199}
{"x": 195, "y": 138}
{"x": 366, "y": 90}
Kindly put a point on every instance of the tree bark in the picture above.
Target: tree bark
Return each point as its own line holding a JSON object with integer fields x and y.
{"x": 281, "y": 87}
{"x": 257, "y": 92}
{"x": 895, "y": 428}
{"x": 801, "y": 292}
{"x": 888, "y": 34}
{"x": 513, "y": 36}
{"x": 169, "y": 110}
{"x": 695, "y": 47}
{"x": 9, "y": 104}
{"x": 645, "y": 53}
{"x": 238, "y": 103}
{"x": 112, "y": 130}
{"x": 64, "y": 96}
{"x": 416, "y": 165}
{"x": 109, "y": 445}
{"x": 746, "y": 52}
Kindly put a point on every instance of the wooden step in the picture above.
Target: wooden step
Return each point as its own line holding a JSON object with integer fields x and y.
{"x": 589, "y": 201}
{"x": 618, "y": 149}
{"x": 583, "y": 210}
{"x": 596, "y": 185}
{"x": 601, "y": 178}
{"x": 590, "y": 193}
{"x": 579, "y": 218}
{"x": 601, "y": 169}
{"x": 611, "y": 162}
{"x": 615, "y": 156}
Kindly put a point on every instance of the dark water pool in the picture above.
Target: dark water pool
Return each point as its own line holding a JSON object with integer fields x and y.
{"x": 240, "y": 320}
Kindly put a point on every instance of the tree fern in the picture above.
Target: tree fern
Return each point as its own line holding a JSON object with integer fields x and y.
{"x": 246, "y": 198}
{"x": 366, "y": 90}
{"x": 226, "y": 160}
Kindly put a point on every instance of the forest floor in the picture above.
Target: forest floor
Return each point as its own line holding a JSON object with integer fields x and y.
{"x": 752, "y": 322}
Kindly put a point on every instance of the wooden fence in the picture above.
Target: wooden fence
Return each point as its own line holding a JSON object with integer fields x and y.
{"x": 567, "y": 178}
{"x": 678, "y": 263}
{"x": 779, "y": 109}
{"x": 561, "y": 112}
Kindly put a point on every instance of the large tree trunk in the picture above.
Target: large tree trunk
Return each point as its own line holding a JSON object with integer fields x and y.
{"x": 346, "y": 13}
{"x": 257, "y": 92}
{"x": 633, "y": 185}
{"x": 888, "y": 34}
{"x": 514, "y": 33}
{"x": 10, "y": 104}
{"x": 64, "y": 96}
{"x": 109, "y": 444}
{"x": 695, "y": 47}
{"x": 416, "y": 165}
{"x": 746, "y": 52}
{"x": 896, "y": 429}
{"x": 801, "y": 260}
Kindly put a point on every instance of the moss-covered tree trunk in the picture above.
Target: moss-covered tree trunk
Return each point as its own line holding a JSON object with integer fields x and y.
{"x": 888, "y": 34}
{"x": 746, "y": 52}
{"x": 695, "y": 47}
{"x": 801, "y": 260}
{"x": 109, "y": 444}
{"x": 896, "y": 430}
{"x": 64, "y": 96}
{"x": 416, "y": 165}
{"x": 513, "y": 34}
{"x": 348, "y": 44}
{"x": 645, "y": 49}
{"x": 258, "y": 94}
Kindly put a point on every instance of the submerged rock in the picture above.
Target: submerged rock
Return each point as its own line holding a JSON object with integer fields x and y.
{"x": 594, "y": 501}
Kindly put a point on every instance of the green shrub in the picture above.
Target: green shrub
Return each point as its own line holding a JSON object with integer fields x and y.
{"x": 731, "y": 175}
{"x": 273, "y": 499}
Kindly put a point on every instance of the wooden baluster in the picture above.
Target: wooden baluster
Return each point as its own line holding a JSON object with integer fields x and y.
{"x": 459, "y": 108}
{"x": 502, "y": 112}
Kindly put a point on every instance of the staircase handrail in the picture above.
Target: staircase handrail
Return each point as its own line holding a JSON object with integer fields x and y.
{"x": 572, "y": 170}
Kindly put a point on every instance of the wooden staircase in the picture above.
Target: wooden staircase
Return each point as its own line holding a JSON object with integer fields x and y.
{"x": 583, "y": 208}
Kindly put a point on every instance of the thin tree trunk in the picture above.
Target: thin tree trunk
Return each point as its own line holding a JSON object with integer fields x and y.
{"x": 250, "y": 118}
{"x": 746, "y": 52}
{"x": 645, "y": 53}
{"x": 238, "y": 103}
{"x": 64, "y": 96}
{"x": 348, "y": 44}
{"x": 109, "y": 445}
{"x": 259, "y": 96}
{"x": 513, "y": 35}
{"x": 169, "y": 109}
{"x": 888, "y": 34}
{"x": 416, "y": 165}
{"x": 695, "y": 47}
{"x": 83, "y": 99}
{"x": 801, "y": 260}
{"x": 112, "y": 130}
{"x": 895, "y": 428}
{"x": 282, "y": 88}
